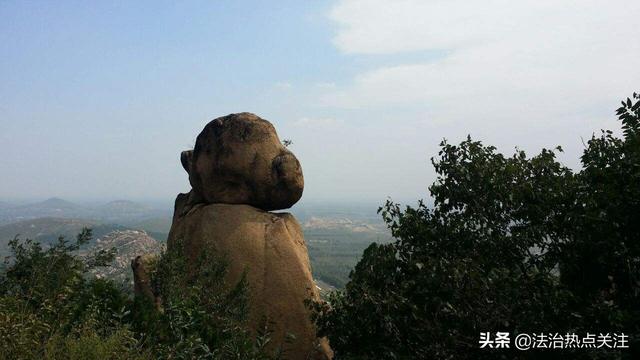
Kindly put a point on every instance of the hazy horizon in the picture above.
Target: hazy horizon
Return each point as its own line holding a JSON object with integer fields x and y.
{"x": 97, "y": 100}
{"x": 167, "y": 204}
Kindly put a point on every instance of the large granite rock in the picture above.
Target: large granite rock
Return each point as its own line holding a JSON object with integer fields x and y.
{"x": 270, "y": 249}
{"x": 238, "y": 171}
{"x": 239, "y": 159}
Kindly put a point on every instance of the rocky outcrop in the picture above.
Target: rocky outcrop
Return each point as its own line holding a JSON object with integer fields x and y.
{"x": 127, "y": 244}
{"x": 238, "y": 171}
{"x": 238, "y": 159}
{"x": 143, "y": 266}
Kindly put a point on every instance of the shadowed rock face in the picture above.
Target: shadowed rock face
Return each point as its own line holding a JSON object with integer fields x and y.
{"x": 239, "y": 159}
{"x": 269, "y": 249}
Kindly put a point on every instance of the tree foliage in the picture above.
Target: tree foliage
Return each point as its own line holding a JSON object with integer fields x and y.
{"x": 201, "y": 316}
{"x": 51, "y": 307}
{"x": 516, "y": 244}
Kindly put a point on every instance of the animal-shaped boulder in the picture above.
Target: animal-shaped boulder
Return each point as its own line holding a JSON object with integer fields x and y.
{"x": 239, "y": 159}
{"x": 239, "y": 170}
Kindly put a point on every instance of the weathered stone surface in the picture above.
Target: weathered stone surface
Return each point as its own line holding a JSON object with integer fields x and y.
{"x": 239, "y": 159}
{"x": 270, "y": 247}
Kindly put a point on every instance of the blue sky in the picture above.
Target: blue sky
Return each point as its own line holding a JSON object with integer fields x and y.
{"x": 97, "y": 99}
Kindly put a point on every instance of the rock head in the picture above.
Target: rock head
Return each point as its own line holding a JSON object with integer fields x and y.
{"x": 239, "y": 159}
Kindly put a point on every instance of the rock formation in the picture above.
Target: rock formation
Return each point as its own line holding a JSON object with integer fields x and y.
{"x": 128, "y": 244}
{"x": 239, "y": 171}
{"x": 238, "y": 159}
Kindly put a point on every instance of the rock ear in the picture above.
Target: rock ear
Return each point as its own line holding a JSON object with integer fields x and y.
{"x": 185, "y": 158}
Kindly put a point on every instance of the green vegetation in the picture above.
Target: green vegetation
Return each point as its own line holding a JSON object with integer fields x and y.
{"x": 46, "y": 231}
{"x": 48, "y": 309}
{"x": 201, "y": 317}
{"x": 513, "y": 244}
{"x": 334, "y": 252}
{"x": 51, "y": 308}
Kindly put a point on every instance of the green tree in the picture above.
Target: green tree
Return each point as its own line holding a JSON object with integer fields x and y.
{"x": 513, "y": 244}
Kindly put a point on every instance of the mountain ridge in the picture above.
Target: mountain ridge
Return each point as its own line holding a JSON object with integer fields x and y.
{"x": 117, "y": 211}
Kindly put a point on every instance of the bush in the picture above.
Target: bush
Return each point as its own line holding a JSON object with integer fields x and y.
{"x": 511, "y": 244}
{"x": 201, "y": 316}
{"x": 51, "y": 307}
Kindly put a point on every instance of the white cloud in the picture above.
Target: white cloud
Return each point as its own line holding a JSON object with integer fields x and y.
{"x": 382, "y": 26}
{"x": 526, "y": 60}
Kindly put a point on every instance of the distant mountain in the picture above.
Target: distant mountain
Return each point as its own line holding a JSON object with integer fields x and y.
{"x": 53, "y": 207}
{"x": 158, "y": 227}
{"x": 121, "y": 212}
{"x": 47, "y": 230}
{"x": 50, "y": 207}
{"x": 56, "y": 204}
{"x": 126, "y": 212}
{"x": 128, "y": 244}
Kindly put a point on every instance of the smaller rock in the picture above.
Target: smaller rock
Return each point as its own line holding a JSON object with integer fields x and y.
{"x": 143, "y": 267}
{"x": 128, "y": 244}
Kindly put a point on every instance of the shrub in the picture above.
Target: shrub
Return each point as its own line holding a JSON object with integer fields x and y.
{"x": 511, "y": 244}
{"x": 51, "y": 307}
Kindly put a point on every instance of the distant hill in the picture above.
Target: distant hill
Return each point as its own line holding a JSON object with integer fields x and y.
{"x": 128, "y": 244}
{"x": 50, "y": 207}
{"x": 126, "y": 212}
{"x": 47, "y": 230}
{"x": 53, "y": 207}
{"x": 120, "y": 212}
{"x": 56, "y": 204}
{"x": 157, "y": 227}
